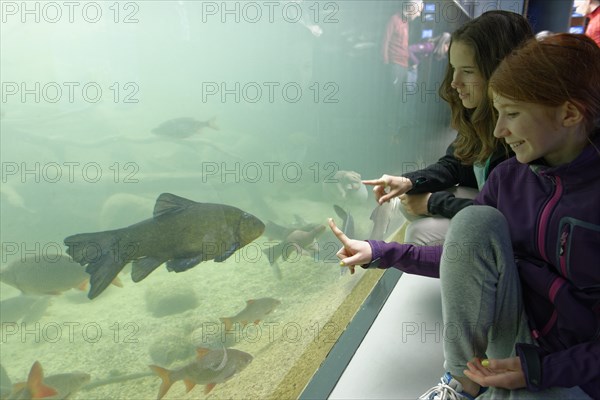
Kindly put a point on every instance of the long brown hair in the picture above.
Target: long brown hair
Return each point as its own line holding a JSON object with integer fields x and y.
{"x": 491, "y": 36}
{"x": 543, "y": 73}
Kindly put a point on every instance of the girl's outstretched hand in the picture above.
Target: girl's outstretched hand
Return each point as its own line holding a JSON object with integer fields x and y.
{"x": 354, "y": 252}
{"x": 397, "y": 185}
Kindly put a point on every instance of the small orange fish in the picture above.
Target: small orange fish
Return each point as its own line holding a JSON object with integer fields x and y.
{"x": 209, "y": 368}
{"x": 255, "y": 311}
{"x": 34, "y": 388}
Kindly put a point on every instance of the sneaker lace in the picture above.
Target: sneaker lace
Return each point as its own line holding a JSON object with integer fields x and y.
{"x": 441, "y": 391}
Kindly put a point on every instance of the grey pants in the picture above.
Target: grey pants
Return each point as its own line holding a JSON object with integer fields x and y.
{"x": 481, "y": 298}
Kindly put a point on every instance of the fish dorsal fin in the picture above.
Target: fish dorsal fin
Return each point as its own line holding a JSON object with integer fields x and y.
{"x": 299, "y": 221}
{"x": 169, "y": 203}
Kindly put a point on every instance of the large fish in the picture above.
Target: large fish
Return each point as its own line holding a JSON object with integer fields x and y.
{"x": 181, "y": 128}
{"x": 254, "y": 312}
{"x": 182, "y": 233}
{"x": 44, "y": 275}
{"x": 209, "y": 368}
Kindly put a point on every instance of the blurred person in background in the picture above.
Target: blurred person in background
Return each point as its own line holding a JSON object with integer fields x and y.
{"x": 396, "y": 55}
{"x": 591, "y": 10}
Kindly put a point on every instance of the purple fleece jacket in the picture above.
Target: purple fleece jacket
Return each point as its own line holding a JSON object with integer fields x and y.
{"x": 553, "y": 214}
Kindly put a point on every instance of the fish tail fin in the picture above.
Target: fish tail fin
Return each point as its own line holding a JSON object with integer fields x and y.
{"x": 35, "y": 383}
{"x": 212, "y": 123}
{"x": 277, "y": 271}
{"x": 165, "y": 377}
{"x": 227, "y": 322}
{"x": 103, "y": 254}
{"x": 270, "y": 253}
{"x": 275, "y": 251}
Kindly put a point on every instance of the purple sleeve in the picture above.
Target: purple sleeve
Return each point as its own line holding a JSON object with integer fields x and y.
{"x": 419, "y": 260}
{"x": 419, "y": 48}
{"x": 578, "y": 365}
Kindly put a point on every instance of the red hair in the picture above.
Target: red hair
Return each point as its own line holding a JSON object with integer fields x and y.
{"x": 559, "y": 68}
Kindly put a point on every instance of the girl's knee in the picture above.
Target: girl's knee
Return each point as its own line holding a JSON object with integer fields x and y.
{"x": 475, "y": 215}
{"x": 476, "y": 221}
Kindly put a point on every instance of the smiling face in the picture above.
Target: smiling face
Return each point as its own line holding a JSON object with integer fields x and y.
{"x": 536, "y": 131}
{"x": 467, "y": 80}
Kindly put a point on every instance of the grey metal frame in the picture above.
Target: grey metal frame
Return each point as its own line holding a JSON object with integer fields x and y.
{"x": 323, "y": 382}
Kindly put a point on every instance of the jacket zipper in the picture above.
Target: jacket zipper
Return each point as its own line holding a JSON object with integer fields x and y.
{"x": 562, "y": 254}
{"x": 541, "y": 241}
{"x": 545, "y": 216}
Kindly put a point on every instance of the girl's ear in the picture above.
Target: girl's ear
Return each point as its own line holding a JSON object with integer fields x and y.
{"x": 571, "y": 114}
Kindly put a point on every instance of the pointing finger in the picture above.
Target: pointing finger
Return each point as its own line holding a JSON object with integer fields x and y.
{"x": 374, "y": 182}
{"x": 337, "y": 232}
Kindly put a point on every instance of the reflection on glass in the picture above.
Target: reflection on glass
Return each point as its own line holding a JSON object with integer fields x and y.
{"x": 189, "y": 154}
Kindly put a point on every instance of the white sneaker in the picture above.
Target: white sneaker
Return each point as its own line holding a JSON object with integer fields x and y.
{"x": 448, "y": 389}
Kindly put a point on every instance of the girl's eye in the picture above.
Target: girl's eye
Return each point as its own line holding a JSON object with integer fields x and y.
{"x": 512, "y": 114}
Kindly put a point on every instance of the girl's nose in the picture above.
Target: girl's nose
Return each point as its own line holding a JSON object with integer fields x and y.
{"x": 456, "y": 83}
{"x": 500, "y": 130}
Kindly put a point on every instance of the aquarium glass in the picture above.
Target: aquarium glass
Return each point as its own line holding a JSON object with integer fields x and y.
{"x": 217, "y": 135}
